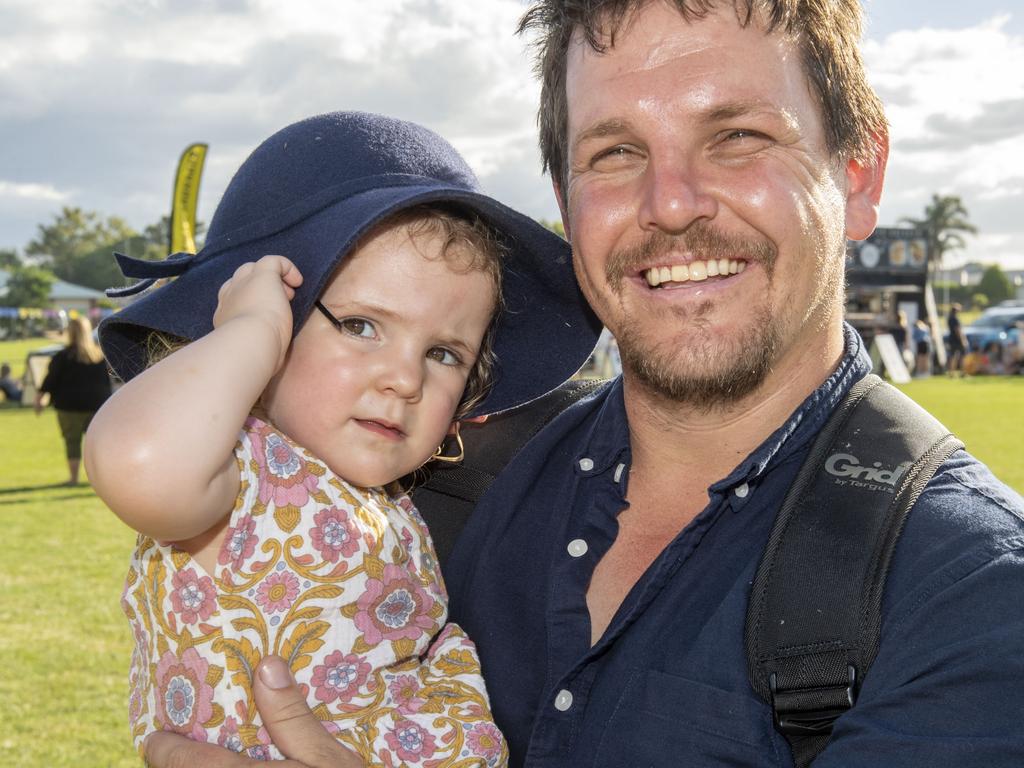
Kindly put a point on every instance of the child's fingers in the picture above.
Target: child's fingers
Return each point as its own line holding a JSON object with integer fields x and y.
{"x": 284, "y": 267}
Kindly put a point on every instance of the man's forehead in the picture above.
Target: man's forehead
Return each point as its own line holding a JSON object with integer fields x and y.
{"x": 657, "y": 35}
{"x": 609, "y": 28}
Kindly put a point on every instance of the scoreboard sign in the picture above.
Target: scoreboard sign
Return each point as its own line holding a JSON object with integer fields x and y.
{"x": 892, "y": 250}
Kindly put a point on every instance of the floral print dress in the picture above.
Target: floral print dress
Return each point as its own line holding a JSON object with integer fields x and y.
{"x": 339, "y": 581}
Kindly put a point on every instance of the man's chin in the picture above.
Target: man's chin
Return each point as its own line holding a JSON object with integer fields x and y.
{"x": 704, "y": 377}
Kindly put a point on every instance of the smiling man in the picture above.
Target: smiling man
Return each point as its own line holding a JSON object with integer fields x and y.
{"x": 710, "y": 160}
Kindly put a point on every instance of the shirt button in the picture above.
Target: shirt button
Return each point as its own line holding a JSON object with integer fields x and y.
{"x": 563, "y": 700}
{"x": 742, "y": 490}
{"x": 577, "y": 548}
{"x": 586, "y": 464}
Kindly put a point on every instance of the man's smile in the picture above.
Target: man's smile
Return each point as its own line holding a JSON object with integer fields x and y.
{"x": 695, "y": 271}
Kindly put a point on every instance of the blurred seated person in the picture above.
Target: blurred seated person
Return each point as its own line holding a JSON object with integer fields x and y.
{"x": 8, "y": 385}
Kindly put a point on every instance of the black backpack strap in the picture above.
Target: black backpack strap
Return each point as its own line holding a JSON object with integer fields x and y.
{"x": 814, "y": 616}
{"x": 450, "y": 493}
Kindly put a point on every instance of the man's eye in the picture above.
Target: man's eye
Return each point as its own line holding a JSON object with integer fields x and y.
{"x": 744, "y": 135}
{"x": 444, "y": 356}
{"x": 357, "y": 326}
{"x": 611, "y": 157}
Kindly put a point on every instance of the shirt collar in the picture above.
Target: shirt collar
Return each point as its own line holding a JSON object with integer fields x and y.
{"x": 607, "y": 440}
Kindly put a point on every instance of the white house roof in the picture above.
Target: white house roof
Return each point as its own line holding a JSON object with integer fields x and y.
{"x": 60, "y": 290}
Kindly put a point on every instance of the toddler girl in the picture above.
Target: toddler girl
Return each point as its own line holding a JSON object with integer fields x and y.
{"x": 260, "y": 461}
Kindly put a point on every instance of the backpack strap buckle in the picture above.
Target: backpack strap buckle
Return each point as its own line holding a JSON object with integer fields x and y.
{"x": 802, "y": 712}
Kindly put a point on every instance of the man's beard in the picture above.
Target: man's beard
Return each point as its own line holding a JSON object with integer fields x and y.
{"x": 718, "y": 373}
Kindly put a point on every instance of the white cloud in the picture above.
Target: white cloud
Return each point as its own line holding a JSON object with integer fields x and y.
{"x": 955, "y": 101}
{"x": 138, "y": 80}
{"x": 40, "y": 192}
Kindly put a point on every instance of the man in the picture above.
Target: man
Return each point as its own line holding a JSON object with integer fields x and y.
{"x": 710, "y": 162}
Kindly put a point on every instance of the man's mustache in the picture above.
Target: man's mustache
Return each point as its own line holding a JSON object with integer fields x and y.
{"x": 702, "y": 241}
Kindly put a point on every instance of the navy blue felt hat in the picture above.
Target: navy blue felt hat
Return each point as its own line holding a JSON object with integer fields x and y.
{"x": 310, "y": 192}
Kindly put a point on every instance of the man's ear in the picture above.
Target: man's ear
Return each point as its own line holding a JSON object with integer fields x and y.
{"x": 864, "y": 182}
{"x": 562, "y": 209}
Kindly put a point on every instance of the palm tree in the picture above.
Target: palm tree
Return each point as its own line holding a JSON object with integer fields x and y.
{"x": 945, "y": 218}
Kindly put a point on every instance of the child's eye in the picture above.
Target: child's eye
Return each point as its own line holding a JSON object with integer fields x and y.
{"x": 444, "y": 356}
{"x": 357, "y": 326}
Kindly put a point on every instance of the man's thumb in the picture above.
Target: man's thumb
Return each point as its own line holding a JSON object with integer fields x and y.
{"x": 293, "y": 728}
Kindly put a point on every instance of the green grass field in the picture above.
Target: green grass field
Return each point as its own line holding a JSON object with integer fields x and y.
{"x": 64, "y": 644}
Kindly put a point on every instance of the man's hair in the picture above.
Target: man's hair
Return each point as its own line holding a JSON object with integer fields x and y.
{"x": 827, "y": 33}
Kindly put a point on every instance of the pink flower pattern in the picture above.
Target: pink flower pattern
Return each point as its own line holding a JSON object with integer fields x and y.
{"x": 229, "y": 737}
{"x": 486, "y": 740}
{"x": 405, "y": 690}
{"x": 184, "y": 698}
{"x": 361, "y": 629}
{"x": 339, "y": 677}
{"x": 283, "y": 475}
{"x": 239, "y": 543}
{"x": 411, "y": 741}
{"x": 193, "y": 597}
{"x": 335, "y": 534}
{"x": 395, "y": 607}
{"x": 277, "y": 592}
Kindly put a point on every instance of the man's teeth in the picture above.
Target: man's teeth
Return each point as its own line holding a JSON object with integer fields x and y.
{"x": 694, "y": 272}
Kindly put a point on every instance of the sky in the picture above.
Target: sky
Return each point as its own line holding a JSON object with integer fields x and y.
{"x": 98, "y": 98}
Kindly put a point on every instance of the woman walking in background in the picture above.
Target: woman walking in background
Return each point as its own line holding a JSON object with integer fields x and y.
{"x": 78, "y": 384}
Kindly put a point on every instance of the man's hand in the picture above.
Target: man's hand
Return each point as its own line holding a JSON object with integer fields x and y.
{"x": 291, "y": 724}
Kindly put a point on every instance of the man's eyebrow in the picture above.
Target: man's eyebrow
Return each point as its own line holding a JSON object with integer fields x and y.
{"x": 610, "y": 127}
{"x": 736, "y": 109}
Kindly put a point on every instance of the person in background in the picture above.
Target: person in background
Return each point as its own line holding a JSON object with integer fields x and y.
{"x": 8, "y": 385}
{"x": 901, "y": 333}
{"x": 78, "y": 384}
{"x": 957, "y": 341}
{"x": 922, "y": 338}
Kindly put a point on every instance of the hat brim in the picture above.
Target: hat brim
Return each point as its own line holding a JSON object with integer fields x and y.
{"x": 544, "y": 336}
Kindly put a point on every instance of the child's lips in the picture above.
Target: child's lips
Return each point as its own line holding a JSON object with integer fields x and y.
{"x": 382, "y": 427}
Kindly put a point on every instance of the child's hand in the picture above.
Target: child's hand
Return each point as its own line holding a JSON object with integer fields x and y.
{"x": 262, "y": 291}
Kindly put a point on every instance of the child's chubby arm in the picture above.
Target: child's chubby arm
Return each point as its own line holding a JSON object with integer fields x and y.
{"x": 160, "y": 452}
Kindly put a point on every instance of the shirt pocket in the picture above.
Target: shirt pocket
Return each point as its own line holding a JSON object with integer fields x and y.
{"x": 664, "y": 720}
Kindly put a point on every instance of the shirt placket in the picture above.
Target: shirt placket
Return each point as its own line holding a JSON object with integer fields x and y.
{"x": 588, "y": 534}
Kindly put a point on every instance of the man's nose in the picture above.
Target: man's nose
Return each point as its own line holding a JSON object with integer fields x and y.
{"x": 675, "y": 195}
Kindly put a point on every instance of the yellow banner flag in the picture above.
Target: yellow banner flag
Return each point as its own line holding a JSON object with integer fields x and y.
{"x": 186, "y": 197}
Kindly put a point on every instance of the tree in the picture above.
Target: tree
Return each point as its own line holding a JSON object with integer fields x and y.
{"x": 159, "y": 234}
{"x": 995, "y": 285}
{"x": 73, "y": 235}
{"x": 554, "y": 226}
{"x": 945, "y": 218}
{"x": 28, "y": 287}
{"x": 9, "y": 259}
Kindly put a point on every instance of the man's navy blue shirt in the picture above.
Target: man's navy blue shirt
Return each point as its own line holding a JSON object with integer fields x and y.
{"x": 667, "y": 683}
